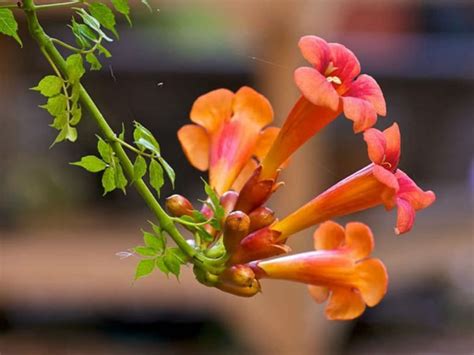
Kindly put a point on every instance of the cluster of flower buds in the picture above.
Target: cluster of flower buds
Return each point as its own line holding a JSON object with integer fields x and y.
{"x": 230, "y": 138}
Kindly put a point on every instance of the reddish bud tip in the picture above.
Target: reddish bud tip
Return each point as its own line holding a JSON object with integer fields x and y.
{"x": 243, "y": 291}
{"x": 236, "y": 227}
{"x": 228, "y": 200}
{"x": 179, "y": 206}
{"x": 261, "y": 217}
{"x": 239, "y": 275}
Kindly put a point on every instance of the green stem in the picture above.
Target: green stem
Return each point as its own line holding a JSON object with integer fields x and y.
{"x": 46, "y": 44}
{"x": 10, "y": 6}
{"x": 58, "y": 4}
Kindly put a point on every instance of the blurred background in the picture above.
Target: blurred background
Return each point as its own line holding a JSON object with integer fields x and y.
{"x": 64, "y": 291}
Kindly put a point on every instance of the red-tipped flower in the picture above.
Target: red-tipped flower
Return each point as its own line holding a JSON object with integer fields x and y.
{"x": 379, "y": 183}
{"x": 340, "y": 270}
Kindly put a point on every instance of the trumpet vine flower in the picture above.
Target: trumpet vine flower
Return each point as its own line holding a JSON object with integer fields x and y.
{"x": 331, "y": 86}
{"x": 379, "y": 183}
{"x": 339, "y": 270}
{"x": 227, "y": 134}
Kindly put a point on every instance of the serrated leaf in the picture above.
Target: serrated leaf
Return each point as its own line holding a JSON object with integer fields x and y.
{"x": 50, "y": 85}
{"x": 122, "y": 7}
{"x": 8, "y": 25}
{"x": 92, "y": 22}
{"x": 144, "y": 268}
{"x": 120, "y": 179}
{"x": 145, "y": 251}
{"x": 218, "y": 210}
{"x": 160, "y": 264}
{"x": 156, "y": 175}
{"x": 74, "y": 68}
{"x": 93, "y": 61}
{"x": 139, "y": 168}
{"x": 104, "y": 15}
{"x": 60, "y": 121}
{"x": 91, "y": 163}
{"x": 141, "y": 132}
{"x": 168, "y": 169}
{"x": 143, "y": 144}
{"x": 102, "y": 50}
{"x": 159, "y": 233}
{"x": 152, "y": 241}
{"x": 84, "y": 34}
{"x": 71, "y": 134}
{"x": 105, "y": 150}
{"x": 56, "y": 105}
{"x": 172, "y": 262}
{"x": 108, "y": 179}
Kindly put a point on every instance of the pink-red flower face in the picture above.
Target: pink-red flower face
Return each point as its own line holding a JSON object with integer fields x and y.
{"x": 227, "y": 134}
{"x": 333, "y": 81}
{"x": 340, "y": 270}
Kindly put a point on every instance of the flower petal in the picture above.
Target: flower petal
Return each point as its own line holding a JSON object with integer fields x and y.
{"x": 365, "y": 87}
{"x": 360, "y": 111}
{"x": 252, "y": 105}
{"x": 411, "y": 192}
{"x": 405, "y": 216}
{"x": 344, "y": 304}
{"x": 392, "y": 150}
{"x": 195, "y": 143}
{"x": 316, "y": 51}
{"x": 386, "y": 177}
{"x": 329, "y": 236}
{"x": 265, "y": 141}
{"x": 245, "y": 175}
{"x": 211, "y": 110}
{"x": 346, "y": 63}
{"x": 359, "y": 240}
{"x": 376, "y": 145}
{"x": 315, "y": 88}
{"x": 373, "y": 280}
{"x": 319, "y": 293}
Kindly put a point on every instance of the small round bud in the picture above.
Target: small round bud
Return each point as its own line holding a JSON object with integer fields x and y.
{"x": 239, "y": 275}
{"x": 261, "y": 217}
{"x": 236, "y": 227}
{"x": 179, "y": 206}
{"x": 228, "y": 200}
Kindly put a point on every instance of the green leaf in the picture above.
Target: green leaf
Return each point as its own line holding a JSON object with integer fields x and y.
{"x": 123, "y": 7}
{"x": 149, "y": 141}
{"x": 145, "y": 251}
{"x": 102, "y": 50}
{"x": 56, "y": 105}
{"x": 139, "y": 168}
{"x": 158, "y": 232}
{"x": 160, "y": 264}
{"x": 156, "y": 176}
{"x": 84, "y": 34}
{"x": 173, "y": 261}
{"x": 93, "y": 61}
{"x": 144, "y": 268}
{"x": 105, "y": 150}
{"x": 152, "y": 241}
{"x": 108, "y": 180}
{"x": 50, "y": 85}
{"x": 104, "y": 15}
{"x": 60, "y": 121}
{"x": 122, "y": 133}
{"x": 215, "y": 203}
{"x": 74, "y": 68}
{"x": 76, "y": 115}
{"x": 120, "y": 179}
{"x": 91, "y": 163}
{"x": 168, "y": 169}
{"x": 92, "y": 22}
{"x": 8, "y": 25}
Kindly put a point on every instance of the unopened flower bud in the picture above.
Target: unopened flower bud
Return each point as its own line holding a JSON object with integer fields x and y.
{"x": 228, "y": 201}
{"x": 236, "y": 227}
{"x": 239, "y": 275}
{"x": 179, "y": 206}
{"x": 261, "y": 217}
{"x": 243, "y": 291}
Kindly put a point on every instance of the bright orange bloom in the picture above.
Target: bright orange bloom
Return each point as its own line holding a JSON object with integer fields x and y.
{"x": 227, "y": 134}
{"x": 339, "y": 270}
{"x": 329, "y": 88}
{"x": 379, "y": 183}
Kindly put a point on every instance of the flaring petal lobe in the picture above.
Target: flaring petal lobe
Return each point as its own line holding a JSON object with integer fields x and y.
{"x": 265, "y": 141}
{"x": 405, "y": 216}
{"x": 346, "y": 63}
{"x": 376, "y": 145}
{"x": 344, "y": 304}
{"x": 411, "y": 192}
{"x": 252, "y": 105}
{"x": 315, "y": 88}
{"x": 319, "y": 293}
{"x": 372, "y": 280}
{"x": 211, "y": 110}
{"x": 195, "y": 143}
{"x": 329, "y": 236}
{"x": 359, "y": 240}
{"x": 386, "y": 177}
{"x": 393, "y": 142}
{"x": 316, "y": 51}
{"x": 365, "y": 87}
{"x": 360, "y": 111}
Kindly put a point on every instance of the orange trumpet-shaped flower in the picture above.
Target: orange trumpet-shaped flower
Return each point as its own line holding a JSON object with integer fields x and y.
{"x": 376, "y": 184}
{"x": 339, "y": 270}
{"x": 328, "y": 88}
{"x": 227, "y": 134}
